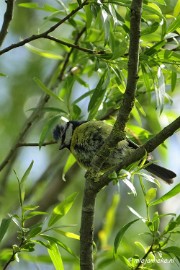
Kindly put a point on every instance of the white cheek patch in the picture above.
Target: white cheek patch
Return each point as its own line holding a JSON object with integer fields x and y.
{"x": 68, "y": 134}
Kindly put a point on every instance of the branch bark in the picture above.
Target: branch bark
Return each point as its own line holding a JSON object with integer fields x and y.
{"x": 117, "y": 134}
{"x": 7, "y": 19}
{"x": 45, "y": 33}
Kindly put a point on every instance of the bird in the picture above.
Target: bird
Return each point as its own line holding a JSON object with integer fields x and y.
{"x": 85, "y": 138}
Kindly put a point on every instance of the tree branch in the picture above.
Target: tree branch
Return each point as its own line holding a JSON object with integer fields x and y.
{"x": 117, "y": 134}
{"x": 35, "y": 144}
{"x": 74, "y": 46}
{"x": 7, "y": 19}
{"x": 118, "y": 131}
{"x": 44, "y": 34}
{"x": 139, "y": 153}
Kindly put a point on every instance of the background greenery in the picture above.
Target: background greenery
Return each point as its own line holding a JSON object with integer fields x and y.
{"x": 90, "y": 87}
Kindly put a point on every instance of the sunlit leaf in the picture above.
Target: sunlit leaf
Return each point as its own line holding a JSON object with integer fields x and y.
{"x": 136, "y": 213}
{"x": 130, "y": 186}
{"x": 173, "y": 192}
{"x": 150, "y": 195}
{"x": 177, "y": 9}
{"x": 56, "y": 257}
{"x": 120, "y": 235}
{"x": 174, "y": 25}
{"x": 68, "y": 234}
{"x": 59, "y": 243}
{"x": 69, "y": 163}
{"x": 62, "y": 209}
{"x": 43, "y": 53}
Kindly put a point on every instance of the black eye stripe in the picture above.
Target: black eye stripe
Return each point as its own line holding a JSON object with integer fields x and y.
{"x": 64, "y": 132}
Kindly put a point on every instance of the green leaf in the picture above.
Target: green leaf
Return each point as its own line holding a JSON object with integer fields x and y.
{"x": 47, "y": 128}
{"x": 174, "y": 25}
{"x": 136, "y": 213}
{"x": 27, "y": 172}
{"x": 173, "y": 192}
{"x": 120, "y": 235}
{"x": 155, "y": 48}
{"x": 83, "y": 96}
{"x": 173, "y": 79}
{"x": 173, "y": 250}
{"x": 98, "y": 94}
{"x": 59, "y": 243}
{"x": 146, "y": 77}
{"x": 69, "y": 163}
{"x": 29, "y": 5}
{"x": 62, "y": 209}
{"x": 68, "y": 234}
{"x": 153, "y": 9}
{"x": 160, "y": 90}
{"x": 55, "y": 257}
{"x": 34, "y": 231}
{"x": 130, "y": 186}
{"x": 177, "y": 9}
{"x": 4, "y": 226}
{"x": 150, "y": 29}
{"x": 45, "y": 89}
{"x": 150, "y": 195}
{"x": 34, "y": 213}
{"x": 43, "y": 53}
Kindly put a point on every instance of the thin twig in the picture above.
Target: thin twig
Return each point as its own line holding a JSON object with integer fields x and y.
{"x": 7, "y": 19}
{"x": 35, "y": 144}
{"x": 71, "y": 45}
{"x": 44, "y": 34}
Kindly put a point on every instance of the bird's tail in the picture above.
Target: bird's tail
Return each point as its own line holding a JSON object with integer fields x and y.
{"x": 161, "y": 172}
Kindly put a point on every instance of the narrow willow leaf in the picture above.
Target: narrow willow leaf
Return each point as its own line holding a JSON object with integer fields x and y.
{"x": 177, "y": 9}
{"x": 173, "y": 250}
{"x": 62, "y": 209}
{"x": 136, "y": 213}
{"x": 59, "y": 243}
{"x": 150, "y": 195}
{"x": 160, "y": 90}
{"x": 47, "y": 128}
{"x": 150, "y": 29}
{"x": 69, "y": 163}
{"x": 68, "y": 234}
{"x": 45, "y": 89}
{"x": 130, "y": 186}
{"x": 29, "y": 5}
{"x": 173, "y": 192}
{"x": 55, "y": 256}
{"x": 120, "y": 235}
{"x": 4, "y": 226}
{"x": 43, "y": 53}
{"x": 98, "y": 94}
{"x": 174, "y": 25}
{"x": 27, "y": 172}
{"x": 173, "y": 79}
{"x": 155, "y": 48}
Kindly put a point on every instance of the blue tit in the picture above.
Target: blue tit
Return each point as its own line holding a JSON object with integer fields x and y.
{"x": 85, "y": 138}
